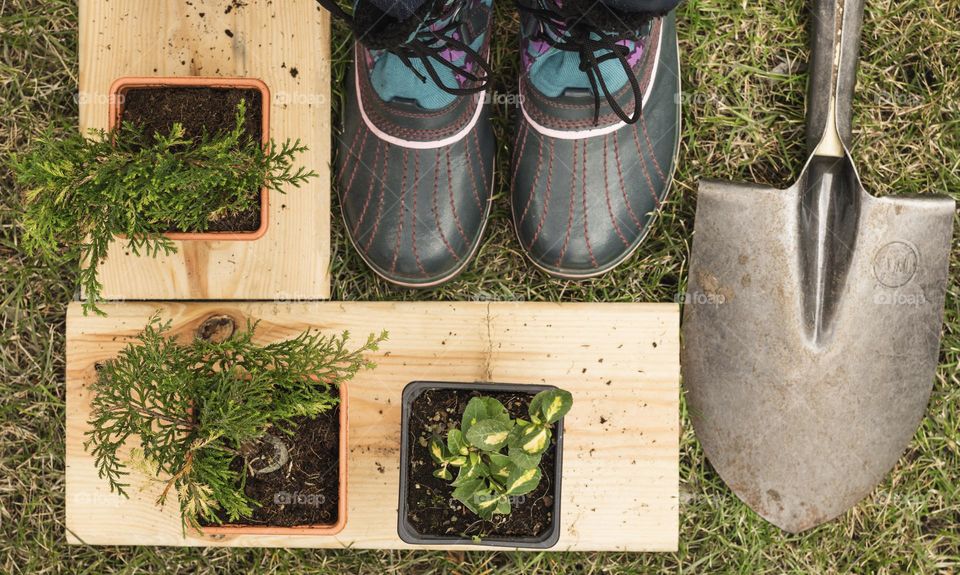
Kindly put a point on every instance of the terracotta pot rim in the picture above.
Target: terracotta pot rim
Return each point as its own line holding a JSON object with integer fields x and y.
{"x": 121, "y": 85}
{"x": 331, "y": 529}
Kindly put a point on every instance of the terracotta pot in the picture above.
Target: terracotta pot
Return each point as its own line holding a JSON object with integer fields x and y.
{"x": 122, "y": 85}
{"x": 333, "y": 529}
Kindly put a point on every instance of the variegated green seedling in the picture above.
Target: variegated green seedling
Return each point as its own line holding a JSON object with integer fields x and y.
{"x": 496, "y": 457}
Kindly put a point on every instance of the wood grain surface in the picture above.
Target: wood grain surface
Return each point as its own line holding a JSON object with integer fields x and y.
{"x": 285, "y": 44}
{"x": 621, "y": 439}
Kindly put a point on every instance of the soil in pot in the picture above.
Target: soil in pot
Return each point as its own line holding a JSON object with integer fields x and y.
{"x": 432, "y": 510}
{"x": 155, "y": 110}
{"x": 295, "y": 478}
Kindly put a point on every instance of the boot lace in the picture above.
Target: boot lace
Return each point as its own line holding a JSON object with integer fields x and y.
{"x": 427, "y": 36}
{"x": 589, "y": 30}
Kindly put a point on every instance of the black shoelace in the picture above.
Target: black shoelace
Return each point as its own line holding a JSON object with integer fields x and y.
{"x": 416, "y": 39}
{"x": 579, "y": 31}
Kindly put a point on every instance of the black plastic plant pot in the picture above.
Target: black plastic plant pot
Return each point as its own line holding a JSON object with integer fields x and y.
{"x": 428, "y": 513}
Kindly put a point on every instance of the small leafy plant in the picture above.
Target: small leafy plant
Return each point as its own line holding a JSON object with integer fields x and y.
{"x": 81, "y": 192}
{"x": 496, "y": 457}
{"x": 197, "y": 407}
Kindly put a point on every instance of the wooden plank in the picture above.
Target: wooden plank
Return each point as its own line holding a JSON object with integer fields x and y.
{"x": 285, "y": 44}
{"x": 621, "y": 442}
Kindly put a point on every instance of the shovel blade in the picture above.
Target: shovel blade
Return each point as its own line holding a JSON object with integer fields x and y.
{"x": 801, "y": 426}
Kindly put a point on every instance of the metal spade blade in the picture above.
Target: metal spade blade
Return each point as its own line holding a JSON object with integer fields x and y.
{"x": 813, "y": 315}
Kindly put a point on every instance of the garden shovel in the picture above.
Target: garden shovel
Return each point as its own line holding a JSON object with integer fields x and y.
{"x": 813, "y": 314}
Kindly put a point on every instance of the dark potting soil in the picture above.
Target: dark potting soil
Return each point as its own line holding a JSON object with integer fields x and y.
{"x": 306, "y": 489}
{"x": 155, "y": 110}
{"x": 430, "y": 505}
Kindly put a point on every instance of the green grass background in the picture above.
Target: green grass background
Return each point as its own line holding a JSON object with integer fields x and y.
{"x": 744, "y": 81}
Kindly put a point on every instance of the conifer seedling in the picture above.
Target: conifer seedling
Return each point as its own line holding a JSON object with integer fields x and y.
{"x": 197, "y": 407}
{"x": 81, "y": 192}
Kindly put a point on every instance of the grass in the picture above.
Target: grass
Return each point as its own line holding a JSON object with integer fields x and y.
{"x": 743, "y": 79}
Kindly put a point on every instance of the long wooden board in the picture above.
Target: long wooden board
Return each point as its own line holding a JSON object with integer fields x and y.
{"x": 621, "y": 440}
{"x": 285, "y": 44}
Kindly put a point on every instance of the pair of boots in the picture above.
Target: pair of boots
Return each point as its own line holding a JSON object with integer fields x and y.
{"x": 595, "y": 145}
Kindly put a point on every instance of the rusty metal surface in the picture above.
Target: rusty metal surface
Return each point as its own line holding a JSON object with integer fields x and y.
{"x": 812, "y": 322}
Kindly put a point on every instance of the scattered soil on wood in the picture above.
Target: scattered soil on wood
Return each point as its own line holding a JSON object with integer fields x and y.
{"x": 432, "y": 510}
{"x": 199, "y": 110}
{"x": 305, "y": 490}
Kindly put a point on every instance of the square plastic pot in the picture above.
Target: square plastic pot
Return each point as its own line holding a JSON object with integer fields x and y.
{"x": 123, "y": 85}
{"x": 408, "y": 532}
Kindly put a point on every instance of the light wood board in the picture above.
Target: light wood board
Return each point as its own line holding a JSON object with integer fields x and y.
{"x": 285, "y": 44}
{"x": 621, "y": 439}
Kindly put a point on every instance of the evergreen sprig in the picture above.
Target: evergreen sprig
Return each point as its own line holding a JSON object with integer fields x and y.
{"x": 197, "y": 407}
{"x": 82, "y": 192}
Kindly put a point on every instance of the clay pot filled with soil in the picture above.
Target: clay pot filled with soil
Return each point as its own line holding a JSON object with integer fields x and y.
{"x": 429, "y": 513}
{"x": 299, "y": 480}
{"x": 199, "y": 105}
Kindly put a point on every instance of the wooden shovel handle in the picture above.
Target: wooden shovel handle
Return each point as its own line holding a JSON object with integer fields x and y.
{"x": 836, "y": 27}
